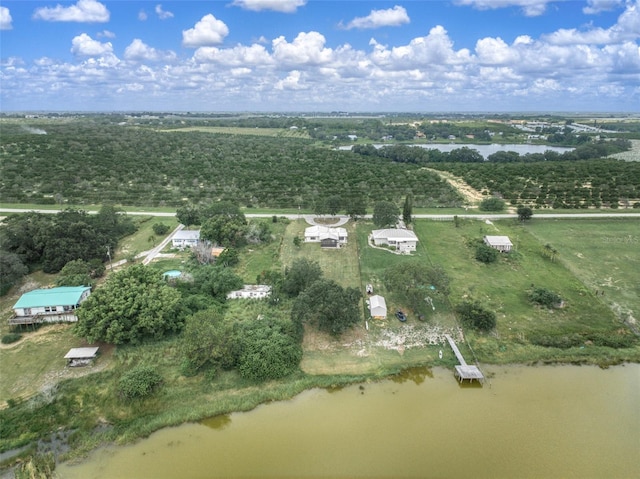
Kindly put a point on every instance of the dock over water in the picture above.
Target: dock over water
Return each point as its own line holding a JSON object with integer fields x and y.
{"x": 463, "y": 370}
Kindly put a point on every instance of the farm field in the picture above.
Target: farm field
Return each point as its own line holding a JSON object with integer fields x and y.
{"x": 235, "y": 130}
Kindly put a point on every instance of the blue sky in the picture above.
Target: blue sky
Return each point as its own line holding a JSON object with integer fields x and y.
{"x": 315, "y": 55}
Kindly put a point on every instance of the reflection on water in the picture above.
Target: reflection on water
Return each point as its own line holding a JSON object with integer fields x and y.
{"x": 416, "y": 375}
{"x": 217, "y": 422}
{"x": 542, "y": 422}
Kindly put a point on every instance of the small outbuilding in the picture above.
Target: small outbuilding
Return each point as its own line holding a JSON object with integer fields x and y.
{"x": 80, "y": 356}
{"x": 377, "y": 307}
{"x": 501, "y": 243}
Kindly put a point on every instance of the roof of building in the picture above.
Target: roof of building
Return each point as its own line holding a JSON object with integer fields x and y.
{"x": 396, "y": 234}
{"x": 319, "y": 230}
{"x": 187, "y": 235}
{"x": 81, "y": 353}
{"x": 498, "y": 240}
{"x": 255, "y": 288}
{"x": 377, "y": 301}
{"x": 61, "y": 296}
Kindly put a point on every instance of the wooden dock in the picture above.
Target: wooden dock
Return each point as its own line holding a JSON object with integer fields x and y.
{"x": 463, "y": 370}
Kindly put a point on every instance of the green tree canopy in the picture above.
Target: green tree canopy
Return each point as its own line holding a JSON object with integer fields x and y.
{"x": 11, "y": 270}
{"x": 80, "y": 273}
{"x": 134, "y": 304}
{"x": 266, "y": 349}
{"x": 474, "y": 315}
{"x": 328, "y": 306}
{"x": 225, "y": 230}
{"x": 385, "y": 214}
{"x": 206, "y": 342}
{"x": 524, "y": 213}
{"x": 302, "y": 273}
{"x": 492, "y": 204}
{"x": 485, "y": 253}
{"x": 407, "y": 209}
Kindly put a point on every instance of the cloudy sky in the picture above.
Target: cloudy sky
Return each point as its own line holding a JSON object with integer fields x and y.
{"x": 316, "y": 55}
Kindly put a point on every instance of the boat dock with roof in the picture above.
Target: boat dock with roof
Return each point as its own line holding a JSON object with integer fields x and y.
{"x": 463, "y": 370}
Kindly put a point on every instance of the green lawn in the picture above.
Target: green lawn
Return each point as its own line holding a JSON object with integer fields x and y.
{"x": 340, "y": 265}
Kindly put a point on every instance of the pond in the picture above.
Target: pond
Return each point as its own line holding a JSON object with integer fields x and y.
{"x": 486, "y": 150}
{"x": 555, "y": 421}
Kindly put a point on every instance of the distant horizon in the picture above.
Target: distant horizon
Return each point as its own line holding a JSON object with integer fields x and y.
{"x": 311, "y": 55}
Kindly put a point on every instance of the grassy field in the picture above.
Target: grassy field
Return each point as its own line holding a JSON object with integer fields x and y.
{"x": 340, "y": 265}
{"x": 604, "y": 254}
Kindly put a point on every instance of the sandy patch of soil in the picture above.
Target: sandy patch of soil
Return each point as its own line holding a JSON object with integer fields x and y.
{"x": 470, "y": 194}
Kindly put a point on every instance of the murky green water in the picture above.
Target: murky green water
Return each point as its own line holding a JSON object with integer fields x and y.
{"x": 543, "y": 422}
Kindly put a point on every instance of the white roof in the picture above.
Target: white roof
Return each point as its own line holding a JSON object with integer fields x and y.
{"x": 187, "y": 235}
{"x": 498, "y": 240}
{"x": 377, "y": 301}
{"x": 319, "y": 230}
{"x": 396, "y": 234}
{"x": 81, "y": 353}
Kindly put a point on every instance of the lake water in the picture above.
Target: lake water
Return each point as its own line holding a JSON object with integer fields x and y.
{"x": 526, "y": 422}
{"x": 486, "y": 150}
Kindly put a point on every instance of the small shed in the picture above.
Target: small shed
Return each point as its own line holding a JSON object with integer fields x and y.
{"x": 377, "y": 307}
{"x": 501, "y": 243}
{"x": 80, "y": 356}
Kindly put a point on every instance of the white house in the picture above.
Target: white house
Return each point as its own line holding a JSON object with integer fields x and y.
{"x": 405, "y": 241}
{"x": 327, "y": 237}
{"x": 377, "y": 307}
{"x": 50, "y": 305}
{"x": 501, "y": 243}
{"x": 251, "y": 291}
{"x": 186, "y": 238}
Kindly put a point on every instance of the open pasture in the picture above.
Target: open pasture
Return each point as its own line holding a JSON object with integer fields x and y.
{"x": 503, "y": 287}
{"x": 604, "y": 254}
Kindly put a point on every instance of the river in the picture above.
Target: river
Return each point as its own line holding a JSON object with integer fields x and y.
{"x": 526, "y": 422}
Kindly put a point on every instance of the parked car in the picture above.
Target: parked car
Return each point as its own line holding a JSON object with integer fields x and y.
{"x": 401, "y": 316}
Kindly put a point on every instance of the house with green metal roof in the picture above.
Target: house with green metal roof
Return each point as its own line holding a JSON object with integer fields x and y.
{"x": 49, "y": 305}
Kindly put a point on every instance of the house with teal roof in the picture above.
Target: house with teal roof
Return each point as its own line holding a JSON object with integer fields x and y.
{"x": 49, "y": 305}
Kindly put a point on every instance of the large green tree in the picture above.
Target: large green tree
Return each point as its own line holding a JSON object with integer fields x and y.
{"x": 385, "y": 214}
{"x": 132, "y": 305}
{"x": 328, "y": 306}
{"x": 266, "y": 349}
{"x": 300, "y": 275}
{"x": 407, "y": 209}
{"x": 206, "y": 342}
{"x": 11, "y": 270}
{"x": 413, "y": 281}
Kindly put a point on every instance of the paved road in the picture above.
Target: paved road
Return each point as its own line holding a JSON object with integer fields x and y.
{"x": 488, "y": 216}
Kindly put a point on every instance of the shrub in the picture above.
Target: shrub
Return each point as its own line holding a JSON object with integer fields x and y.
{"x": 492, "y": 204}
{"x": 486, "y": 254}
{"x": 472, "y": 314}
{"x": 139, "y": 383}
{"x": 160, "y": 229}
{"x": 11, "y": 338}
{"x": 544, "y": 297}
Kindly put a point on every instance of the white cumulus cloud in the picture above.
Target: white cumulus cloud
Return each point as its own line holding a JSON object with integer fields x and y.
{"x": 163, "y": 14}
{"x": 283, "y": 6}
{"x": 141, "y": 52}
{"x": 84, "y": 11}
{"x": 596, "y": 6}
{"x": 291, "y": 82}
{"x": 391, "y": 17}
{"x": 531, "y": 8}
{"x": 85, "y": 46}
{"x": 208, "y": 31}
{"x": 5, "y": 19}
{"x": 306, "y": 48}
